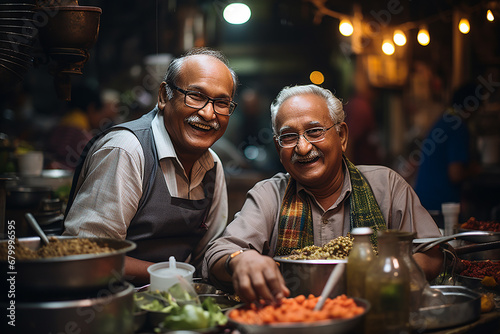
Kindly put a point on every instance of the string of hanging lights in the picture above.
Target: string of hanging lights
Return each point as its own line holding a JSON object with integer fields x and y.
{"x": 347, "y": 23}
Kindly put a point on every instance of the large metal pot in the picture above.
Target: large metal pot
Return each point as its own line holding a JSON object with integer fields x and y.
{"x": 59, "y": 275}
{"x": 108, "y": 310}
{"x": 26, "y": 197}
{"x": 304, "y": 277}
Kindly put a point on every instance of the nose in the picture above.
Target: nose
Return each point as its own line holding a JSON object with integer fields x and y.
{"x": 208, "y": 111}
{"x": 303, "y": 145}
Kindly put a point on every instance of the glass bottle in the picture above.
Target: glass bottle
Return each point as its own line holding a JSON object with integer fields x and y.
{"x": 360, "y": 257}
{"x": 417, "y": 276}
{"x": 387, "y": 288}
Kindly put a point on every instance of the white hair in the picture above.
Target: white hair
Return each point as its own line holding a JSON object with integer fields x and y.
{"x": 334, "y": 104}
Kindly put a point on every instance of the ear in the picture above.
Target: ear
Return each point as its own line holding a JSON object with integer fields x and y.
{"x": 164, "y": 95}
{"x": 344, "y": 136}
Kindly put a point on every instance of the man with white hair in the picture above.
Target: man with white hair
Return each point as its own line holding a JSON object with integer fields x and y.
{"x": 323, "y": 196}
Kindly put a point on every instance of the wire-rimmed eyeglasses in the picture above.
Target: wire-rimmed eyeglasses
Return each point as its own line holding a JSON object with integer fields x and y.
{"x": 312, "y": 135}
{"x": 197, "y": 100}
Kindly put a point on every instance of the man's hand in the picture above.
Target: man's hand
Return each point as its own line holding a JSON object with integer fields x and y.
{"x": 257, "y": 276}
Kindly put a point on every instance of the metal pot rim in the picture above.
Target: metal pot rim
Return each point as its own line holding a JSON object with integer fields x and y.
{"x": 283, "y": 260}
{"x": 124, "y": 247}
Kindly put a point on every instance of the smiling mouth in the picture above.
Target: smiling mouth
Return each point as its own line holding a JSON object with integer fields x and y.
{"x": 307, "y": 161}
{"x": 199, "y": 126}
{"x": 313, "y": 156}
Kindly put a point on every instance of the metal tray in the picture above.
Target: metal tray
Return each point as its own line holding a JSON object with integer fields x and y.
{"x": 460, "y": 306}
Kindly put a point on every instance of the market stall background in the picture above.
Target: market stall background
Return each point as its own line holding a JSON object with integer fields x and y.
{"x": 283, "y": 43}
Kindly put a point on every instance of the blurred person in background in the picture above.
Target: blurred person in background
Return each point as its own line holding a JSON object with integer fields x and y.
{"x": 321, "y": 197}
{"x": 446, "y": 153}
{"x": 155, "y": 180}
{"x": 364, "y": 143}
{"x": 90, "y": 111}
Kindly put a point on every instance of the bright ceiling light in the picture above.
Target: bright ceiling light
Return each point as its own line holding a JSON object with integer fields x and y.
{"x": 489, "y": 16}
{"x": 317, "y": 77}
{"x": 388, "y": 47}
{"x": 423, "y": 37}
{"x": 464, "y": 26}
{"x": 399, "y": 37}
{"x": 345, "y": 27}
{"x": 237, "y": 13}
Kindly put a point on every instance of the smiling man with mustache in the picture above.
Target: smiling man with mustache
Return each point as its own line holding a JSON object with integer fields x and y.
{"x": 155, "y": 180}
{"x": 323, "y": 196}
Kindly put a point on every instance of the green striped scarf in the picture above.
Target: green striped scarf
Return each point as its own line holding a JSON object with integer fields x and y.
{"x": 295, "y": 230}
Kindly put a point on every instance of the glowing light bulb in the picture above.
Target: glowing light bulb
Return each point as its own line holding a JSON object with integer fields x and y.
{"x": 399, "y": 38}
{"x": 317, "y": 77}
{"x": 489, "y": 16}
{"x": 464, "y": 26}
{"x": 388, "y": 47}
{"x": 237, "y": 13}
{"x": 423, "y": 37}
{"x": 345, "y": 27}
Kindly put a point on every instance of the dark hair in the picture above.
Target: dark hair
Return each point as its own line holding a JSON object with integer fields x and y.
{"x": 176, "y": 64}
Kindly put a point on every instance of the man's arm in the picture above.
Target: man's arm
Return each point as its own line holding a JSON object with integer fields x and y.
{"x": 255, "y": 276}
{"x": 136, "y": 271}
{"x": 431, "y": 262}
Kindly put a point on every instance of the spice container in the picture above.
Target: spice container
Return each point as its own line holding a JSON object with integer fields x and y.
{"x": 388, "y": 288}
{"x": 360, "y": 257}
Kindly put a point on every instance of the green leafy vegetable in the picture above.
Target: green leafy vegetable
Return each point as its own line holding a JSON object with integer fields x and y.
{"x": 191, "y": 316}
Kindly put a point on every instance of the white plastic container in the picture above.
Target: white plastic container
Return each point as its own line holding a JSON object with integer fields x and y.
{"x": 165, "y": 274}
{"x": 451, "y": 212}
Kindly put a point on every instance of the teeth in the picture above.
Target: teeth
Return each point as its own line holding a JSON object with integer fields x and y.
{"x": 307, "y": 160}
{"x": 201, "y": 126}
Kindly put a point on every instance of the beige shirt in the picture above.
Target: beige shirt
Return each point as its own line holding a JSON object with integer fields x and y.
{"x": 110, "y": 186}
{"x": 255, "y": 226}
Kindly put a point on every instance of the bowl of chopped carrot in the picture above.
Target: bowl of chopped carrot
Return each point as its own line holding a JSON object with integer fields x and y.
{"x": 296, "y": 315}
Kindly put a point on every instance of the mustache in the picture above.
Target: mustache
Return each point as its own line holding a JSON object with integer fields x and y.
{"x": 313, "y": 154}
{"x": 197, "y": 119}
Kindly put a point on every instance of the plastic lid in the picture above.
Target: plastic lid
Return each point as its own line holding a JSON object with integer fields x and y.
{"x": 362, "y": 231}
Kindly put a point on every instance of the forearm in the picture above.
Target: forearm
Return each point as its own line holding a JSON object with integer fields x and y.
{"x": 431, "y": 262}
{"x": 218, "y": 270}
{"x": 136, "y": 271}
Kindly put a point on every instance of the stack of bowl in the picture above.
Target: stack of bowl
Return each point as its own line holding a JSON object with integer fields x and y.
{"x": 18, "y": 33}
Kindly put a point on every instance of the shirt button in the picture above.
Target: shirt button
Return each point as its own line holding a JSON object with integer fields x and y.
{"x": 324, "y": 221}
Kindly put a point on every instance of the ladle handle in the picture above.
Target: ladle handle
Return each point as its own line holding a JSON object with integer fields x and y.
{"x": 330, "y": 284}
{"x": 34, "y": 224}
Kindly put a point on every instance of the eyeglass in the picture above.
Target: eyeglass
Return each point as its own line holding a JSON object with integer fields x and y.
{"x": 312, "y": 135}
{"x": 199, "y": 100}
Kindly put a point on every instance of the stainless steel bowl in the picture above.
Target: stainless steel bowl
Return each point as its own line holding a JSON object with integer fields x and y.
{"x": 495, "y": 236}
{"x": 337, "y": 326}
{"x": 59, "y": 275}
{"x": 304, "y": 277}
{"x": 459, "y": 306}
{"x": 105, "y": 311}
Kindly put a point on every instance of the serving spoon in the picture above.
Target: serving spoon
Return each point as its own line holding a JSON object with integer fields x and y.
{"x": 34, "y": 224}
{"x": 330, "y": 284}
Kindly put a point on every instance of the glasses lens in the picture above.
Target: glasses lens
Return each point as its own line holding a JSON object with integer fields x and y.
{"x": 315, "y": 134}
{"x": 288, "y": 140}
{"x": 196, "y": 100}
{"x": 222, "y": 106}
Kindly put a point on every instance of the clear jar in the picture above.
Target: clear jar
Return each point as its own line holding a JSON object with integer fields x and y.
{"x": 387, "y": 287}
{"x": 360, "y": 257}
{"x": 417, "y": 275}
